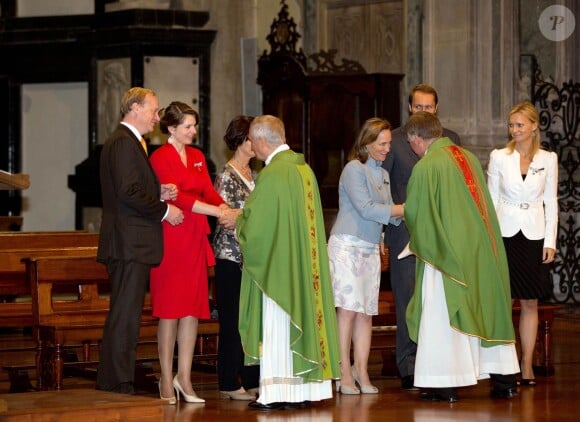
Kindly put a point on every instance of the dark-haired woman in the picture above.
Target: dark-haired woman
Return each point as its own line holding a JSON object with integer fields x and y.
{"x": 179, "y": 291}
{"x": 234, "y": 184}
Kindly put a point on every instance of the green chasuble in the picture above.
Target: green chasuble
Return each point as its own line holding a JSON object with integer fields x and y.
{"x": 453, "y": 227}
{"x": 283, "y": 243}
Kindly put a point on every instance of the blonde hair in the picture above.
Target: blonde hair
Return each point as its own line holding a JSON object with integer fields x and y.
{"x": 530, "y": 113}
{"x": 134, "y": 95}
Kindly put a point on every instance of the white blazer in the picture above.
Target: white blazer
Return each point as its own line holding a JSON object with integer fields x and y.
{"x": 529, "y": 205}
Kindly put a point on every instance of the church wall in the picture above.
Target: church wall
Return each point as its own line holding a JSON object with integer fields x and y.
{"x": 469, "y": 50}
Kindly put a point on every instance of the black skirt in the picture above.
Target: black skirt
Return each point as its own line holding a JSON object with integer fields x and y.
{"x": 529, "y": 278}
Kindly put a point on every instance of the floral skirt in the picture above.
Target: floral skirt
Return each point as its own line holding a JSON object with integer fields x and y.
{"x": 355, "y": 270}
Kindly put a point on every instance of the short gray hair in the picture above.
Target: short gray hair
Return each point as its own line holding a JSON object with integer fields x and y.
{"x": 270, "y": 128}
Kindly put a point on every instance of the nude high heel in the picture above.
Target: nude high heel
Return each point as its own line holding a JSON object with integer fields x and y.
{"x": 365, "y": 389}
{"x": 343, "y": 389}
{"x": 169, "y": 400}
{"x": 187, "y": 397}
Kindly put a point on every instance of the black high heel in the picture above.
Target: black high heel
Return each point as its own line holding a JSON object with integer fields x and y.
{"x": 524, "y": 382}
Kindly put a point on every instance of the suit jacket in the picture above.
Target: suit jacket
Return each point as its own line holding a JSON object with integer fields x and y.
{"x": 529, "y": 205}
{"x": 399, "y": 163}
{"x": 132, "y": 209}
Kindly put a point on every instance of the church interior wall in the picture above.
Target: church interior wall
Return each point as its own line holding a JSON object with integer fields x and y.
{"x": 468, "y": 49}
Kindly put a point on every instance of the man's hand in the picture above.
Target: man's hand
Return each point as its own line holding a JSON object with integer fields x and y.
{"x": 168, "y": 192}
{"x": 174, "y": 215}
{"x": 228, "y": 218}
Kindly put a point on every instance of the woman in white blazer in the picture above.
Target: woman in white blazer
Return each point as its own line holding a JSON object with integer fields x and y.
{"x": 523, "y": 183}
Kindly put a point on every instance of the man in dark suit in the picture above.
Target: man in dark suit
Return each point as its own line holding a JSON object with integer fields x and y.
{"x": 131, "y": 239}
{"x": 399, "y": 164}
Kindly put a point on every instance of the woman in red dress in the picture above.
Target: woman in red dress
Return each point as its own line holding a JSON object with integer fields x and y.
{"x": 179, "y": 285}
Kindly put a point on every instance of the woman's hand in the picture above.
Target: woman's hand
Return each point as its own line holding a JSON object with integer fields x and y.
{"x": 227, "y": 217}
{"x": 548, "y": 255}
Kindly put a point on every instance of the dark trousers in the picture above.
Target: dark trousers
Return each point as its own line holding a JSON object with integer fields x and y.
{"x": 230, "y": 364}
{"x": 402, "y": 273}
{"x": 116, "y": 370}
{"x": 503, "y": 382}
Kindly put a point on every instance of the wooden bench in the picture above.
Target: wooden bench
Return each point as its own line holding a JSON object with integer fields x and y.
{"x": 14, "y": 247}
{"x": 47, "y": 239}
{"x": 78, "y": 320}
{"x": 16, "y": 309}
{"x": 82, "y": 319}
{"x": 384, "y": 333}
{"x": 15, "y": 302}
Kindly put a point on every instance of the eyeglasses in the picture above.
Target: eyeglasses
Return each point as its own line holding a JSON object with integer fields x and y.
{"x": 420, "y": 107}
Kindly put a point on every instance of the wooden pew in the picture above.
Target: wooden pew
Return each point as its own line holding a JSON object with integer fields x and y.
{"x": 81, "y": 319}
{"x": 15, "y": 303}
{"x": 78, "y": 320}
{"x": 47, "y": 239}
{"x": 16, "y": 311}
{"x": 384, "y": 333}
{"x": 14, "y": 247}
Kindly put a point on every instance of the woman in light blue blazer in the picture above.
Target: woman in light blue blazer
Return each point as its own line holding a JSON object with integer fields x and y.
{"x": 365, "y": 205}
{"x": 523, "y": 183}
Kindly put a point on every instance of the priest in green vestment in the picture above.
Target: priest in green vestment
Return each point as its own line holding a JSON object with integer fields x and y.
{"x": 287, "y": 318}
{"x": 460, "y": 313}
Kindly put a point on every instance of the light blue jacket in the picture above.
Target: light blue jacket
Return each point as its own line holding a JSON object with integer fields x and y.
{"x": 364, "y": 201}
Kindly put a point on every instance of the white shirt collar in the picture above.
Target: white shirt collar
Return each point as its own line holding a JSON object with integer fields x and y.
{"x": 283, "y": 147}
{"x": 133, "y": 130}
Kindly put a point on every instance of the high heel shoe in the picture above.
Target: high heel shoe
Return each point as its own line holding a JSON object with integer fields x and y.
{"x": 345, "y": 389}
{"x": 365, "y": 389}
{"x": 239, "y": 394}
{"x": 527, "y": 382}
{"x": 187, "y": 397}
{"x": 169, "y": 400}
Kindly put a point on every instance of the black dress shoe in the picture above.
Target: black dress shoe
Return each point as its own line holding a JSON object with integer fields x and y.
{"x": 122, "y": 388}
{"x": 408, "y": 383}
{"x": 440, "y": 394}
{"x": 296, "y": 405}
{"x": 270, "y": 406}
{"x": 506, "y": 393}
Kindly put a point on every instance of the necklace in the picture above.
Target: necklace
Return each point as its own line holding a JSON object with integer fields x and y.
{"x": 240, "y": 165}
{"x": 245, "y": 171}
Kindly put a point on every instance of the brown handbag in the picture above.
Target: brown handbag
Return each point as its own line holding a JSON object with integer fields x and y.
{"x": 385, "y": 260}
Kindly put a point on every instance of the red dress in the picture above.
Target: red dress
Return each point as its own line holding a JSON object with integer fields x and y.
{"x": 179, "y": 285}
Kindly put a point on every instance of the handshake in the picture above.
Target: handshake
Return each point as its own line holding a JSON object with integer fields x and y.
{"x": 227, "y": 216}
